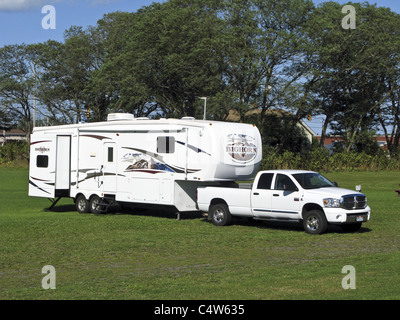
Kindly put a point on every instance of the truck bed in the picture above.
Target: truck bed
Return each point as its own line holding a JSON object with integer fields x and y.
{"x": 237, "y": 199}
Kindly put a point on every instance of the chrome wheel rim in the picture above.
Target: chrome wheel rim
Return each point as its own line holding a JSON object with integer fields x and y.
{"x": 312, "y": 223}
{"x": 219, "y": 215}
{"x": 95, "y": 203}
{"x": 82, "y": 204}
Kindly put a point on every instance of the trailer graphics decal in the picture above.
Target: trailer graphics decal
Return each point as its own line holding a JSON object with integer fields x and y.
{"x": 95, "y": 136}
{"x": 85, "y": 174}
{"x": 32, "y": 143}
{"x": 143, "y": 162}
{"x": 150, "y": 162}
{"x": 41, "y": 149}
{"x": 195, "y": 149}
{"x": 241, "y": 147}
{"x": 36, "y": 186}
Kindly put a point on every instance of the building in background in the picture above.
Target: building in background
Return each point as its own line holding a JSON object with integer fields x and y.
{"x": 7, "y": 134}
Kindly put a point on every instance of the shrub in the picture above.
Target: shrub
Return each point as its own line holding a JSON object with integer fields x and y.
{"x": 319, "y": 159}
{"x": 14, "y": 151}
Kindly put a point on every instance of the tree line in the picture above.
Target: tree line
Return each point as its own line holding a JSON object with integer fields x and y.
{"x": 252, "y": 55}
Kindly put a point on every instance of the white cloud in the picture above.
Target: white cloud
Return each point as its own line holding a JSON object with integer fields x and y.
{"x": 23, "y": 5}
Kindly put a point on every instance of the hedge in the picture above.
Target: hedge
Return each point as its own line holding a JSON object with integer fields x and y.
{"x": 320, "y": 159}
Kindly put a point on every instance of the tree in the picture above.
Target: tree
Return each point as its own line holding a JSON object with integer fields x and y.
{"x": 165, "y": 58}
{"x": 17, "y": 83}
{"x": 267, "y": 59}
{"x": 352, "y": 67}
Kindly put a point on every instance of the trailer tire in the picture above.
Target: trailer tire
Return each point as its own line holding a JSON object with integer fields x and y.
{"x": 93, "y": 204}
{"x": 314, "y": 222}
{"x": 220, "y": 215}
{"x": 82, "y": 205}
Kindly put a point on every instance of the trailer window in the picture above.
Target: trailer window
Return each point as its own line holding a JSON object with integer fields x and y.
{"x": 110, "y": 155}
{"x": 42, "y": 161}
{"x": 265, "y": 181}
{"x": 165, "y": 145}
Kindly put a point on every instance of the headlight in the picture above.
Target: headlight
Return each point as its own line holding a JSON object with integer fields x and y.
{"x": 331, "y": 203}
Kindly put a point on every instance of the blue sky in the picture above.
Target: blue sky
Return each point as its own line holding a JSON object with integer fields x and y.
{"x": 21, "y": 20}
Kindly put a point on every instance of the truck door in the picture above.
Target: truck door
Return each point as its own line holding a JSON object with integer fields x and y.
{"x": 109, "y": 169}
{"x": 285, "y": 201}
{"x": 261, "y": 196}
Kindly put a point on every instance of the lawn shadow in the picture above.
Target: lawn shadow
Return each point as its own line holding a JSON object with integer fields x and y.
{"x": 158, "y": 212}
{"x": 171, "y": 213}
{"x": 287, "y": 225}
{"x": 136, "y": 210}
{"x": 61, "y": 208}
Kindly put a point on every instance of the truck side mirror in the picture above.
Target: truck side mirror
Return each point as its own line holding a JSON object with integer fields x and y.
{"x": 335, "y": 184}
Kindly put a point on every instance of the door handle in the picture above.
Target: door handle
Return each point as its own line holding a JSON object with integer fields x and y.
{"x": 276, "y": 195}
{"x": 256, "y": 193}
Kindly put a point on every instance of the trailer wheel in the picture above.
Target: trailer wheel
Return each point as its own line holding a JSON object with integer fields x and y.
{"x": 314, "y": 222}
{"x": 220, "y": 215}
{"x": 82, "y": 205}
{"x": 94, "y": 204}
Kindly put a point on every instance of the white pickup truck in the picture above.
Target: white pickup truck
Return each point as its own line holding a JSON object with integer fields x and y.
{"x": 291, "y": 195}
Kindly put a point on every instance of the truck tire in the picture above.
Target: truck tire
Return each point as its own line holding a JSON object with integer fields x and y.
{"x": 314, "y": 222}
{"x": 220, "y": 215}
{"x": 82, "y": 205}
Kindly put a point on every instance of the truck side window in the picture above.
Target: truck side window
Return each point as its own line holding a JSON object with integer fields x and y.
{"x": 283, "y": 182}
{"x": 265, "y": 181}
{"x": 165, "y": 144}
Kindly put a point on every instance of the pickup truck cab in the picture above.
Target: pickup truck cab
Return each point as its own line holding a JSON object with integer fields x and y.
{"x": 289, "y": 195}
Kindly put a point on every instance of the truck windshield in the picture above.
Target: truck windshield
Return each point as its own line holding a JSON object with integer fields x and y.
{"x": 312, "y": 180}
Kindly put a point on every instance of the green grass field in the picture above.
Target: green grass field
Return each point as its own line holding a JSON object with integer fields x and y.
{"x": 153, "y": 256}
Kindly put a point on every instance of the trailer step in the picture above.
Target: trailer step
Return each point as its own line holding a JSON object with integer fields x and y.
{"x": 102, "y": 206}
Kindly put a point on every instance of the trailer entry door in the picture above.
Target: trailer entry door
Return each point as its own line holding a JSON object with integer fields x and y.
{"x": 63, "y": 166}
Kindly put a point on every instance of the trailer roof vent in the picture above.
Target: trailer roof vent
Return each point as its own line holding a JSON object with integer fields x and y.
{"x": 188, "y": 118}
{"x": 120, "y": 116}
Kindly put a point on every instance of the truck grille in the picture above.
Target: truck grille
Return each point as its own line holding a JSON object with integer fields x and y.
{"x": 353, "y": 202}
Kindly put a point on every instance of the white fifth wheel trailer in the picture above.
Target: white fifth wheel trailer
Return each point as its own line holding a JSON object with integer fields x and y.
{"x": 138, "y": 160}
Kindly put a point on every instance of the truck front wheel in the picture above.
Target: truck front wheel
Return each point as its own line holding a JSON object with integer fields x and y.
{"x": 220, "y": 214}
{"x": 314, "y": 222}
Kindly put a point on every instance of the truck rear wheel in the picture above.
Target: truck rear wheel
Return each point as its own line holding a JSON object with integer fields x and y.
{"x": 314, "y": 222}
{"x": 220, "y": 214}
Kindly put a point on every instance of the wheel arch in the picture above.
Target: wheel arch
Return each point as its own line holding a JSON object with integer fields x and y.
{"x": 217, "y": 201}
{"x": 78, "y": 195}
{"x": 311, "y": 206}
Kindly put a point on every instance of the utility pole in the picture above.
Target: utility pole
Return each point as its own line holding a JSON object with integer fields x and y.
{"x": 34, "y": 97}
{"x": 205, "y": 106}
